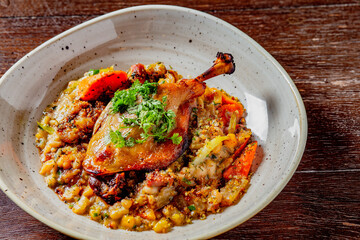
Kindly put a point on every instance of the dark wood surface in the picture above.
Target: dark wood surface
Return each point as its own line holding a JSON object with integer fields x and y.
{"x": 318, "y": 44}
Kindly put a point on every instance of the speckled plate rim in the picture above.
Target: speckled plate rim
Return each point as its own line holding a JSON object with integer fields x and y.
{"x": 296, "y": 94}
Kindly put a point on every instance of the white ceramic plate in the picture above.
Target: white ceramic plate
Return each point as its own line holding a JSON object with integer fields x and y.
{"x": 186, "y": 39}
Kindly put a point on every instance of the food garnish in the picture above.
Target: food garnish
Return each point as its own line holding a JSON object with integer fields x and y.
{"x": 150, "y": 114}
{"x": 46, "y": 128}
{"x": 146, "y": 149}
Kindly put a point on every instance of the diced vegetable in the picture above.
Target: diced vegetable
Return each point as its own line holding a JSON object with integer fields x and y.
{"x": 232, "y": 142}
{"x": 162, "y": 226}
{"x": 46, "y": 128}
{"x": 148, "y": 214}
{"x": 118, "y": 212}
{"x": 81, "y": 206}
{"x": 177, "y": 219}
{"x": 47, "y": 167}
{"x": 88, "y": 192}
{"x": 227, "y": 110}
{"x": 126, "y": 203}
{"x": 229, "y": 100}
{"x": 128, "y": 222}
{"x": 137, "y": 72}
{"x": 105, "y": 70}
{"x": 92, "y": 87}
{"x": 232, "y": 191}
{"x": 242, "y": 146}
{"x": 92, "y": 72}
{"x": 233, "y": 122}
{"x": 71, "y": 87}
{"x": 241, "y": 165}
{"x": 71, "y": 193}
{"x": 206, "y": 150}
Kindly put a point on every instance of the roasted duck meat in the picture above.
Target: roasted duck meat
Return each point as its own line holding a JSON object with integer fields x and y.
{"x": 115, "y": 187}
{"x": 105, "y": 158}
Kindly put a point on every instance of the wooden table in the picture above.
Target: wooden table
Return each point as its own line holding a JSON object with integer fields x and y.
{"x": 318, "y": 44}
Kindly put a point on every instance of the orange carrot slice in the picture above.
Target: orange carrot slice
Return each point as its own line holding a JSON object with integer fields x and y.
{"x": 229, "y": 100}
{"x": 242, "y": 146}
{"x": 228, "y": 106}
{"x": 227, "y": 109}
{"x": 242, "y": 165}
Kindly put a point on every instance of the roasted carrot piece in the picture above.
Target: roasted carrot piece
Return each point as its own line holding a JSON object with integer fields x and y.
{"x": 242, "y": 164}
{"x": 242, "y": 146}
{"x": 226, "y": 109}
{"x": 228, "y": 106}
{"x": 229, "y": 100}
{"x": 92, "y": 87}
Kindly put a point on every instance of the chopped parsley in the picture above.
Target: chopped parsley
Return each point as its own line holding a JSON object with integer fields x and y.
{"x": 125, "y": 99}
{"x": 192, "y": 208}
{"x": 187, "y": 181}
{"x": 150, "y": 113}
{"x": 119, "y": 141}
{"x": 176, "y": 138}
{"x": 93, "y": 72}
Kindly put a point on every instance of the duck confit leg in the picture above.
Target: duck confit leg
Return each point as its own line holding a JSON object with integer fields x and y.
{"x": 105, "y": 158}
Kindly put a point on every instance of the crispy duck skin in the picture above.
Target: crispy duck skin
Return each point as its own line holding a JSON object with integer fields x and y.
{"x": 104, "y": 158}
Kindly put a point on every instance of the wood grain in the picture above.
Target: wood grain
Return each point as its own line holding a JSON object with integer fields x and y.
{"x": 41, "y": 8}
{"x": 310, "y": 207}
{"x": 318, "y": 44}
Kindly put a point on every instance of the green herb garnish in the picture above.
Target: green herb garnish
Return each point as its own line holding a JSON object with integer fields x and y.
{"x": 187, "y": 181}
{"x": 46, "y": 128}
{"x": 192, "y": 208}
{"x": 176, "y": 139}
{"x": 93, "y": 72}
{"x": 124, "y": 99}
{"x": 120, "y": 141}
{"x": 150, "y": 113}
